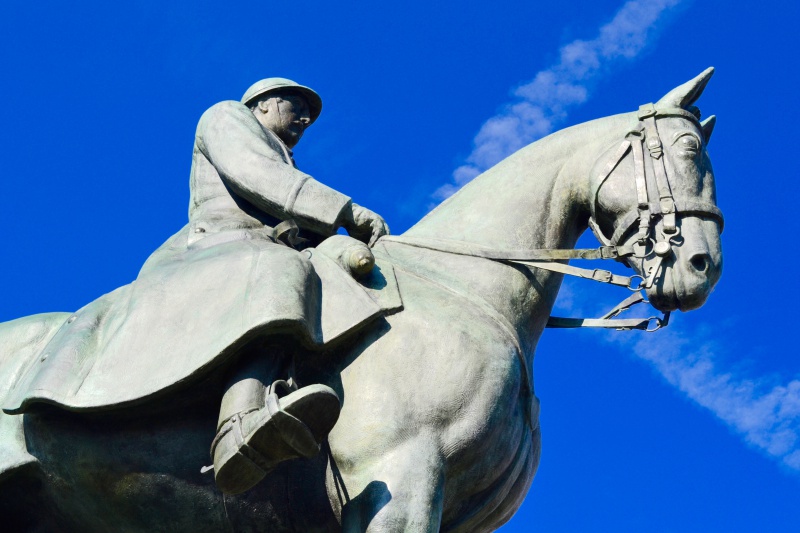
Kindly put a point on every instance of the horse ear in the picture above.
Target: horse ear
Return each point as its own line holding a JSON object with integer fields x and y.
{"x": 708, "y": 126}
{"x": 688, "y": 93}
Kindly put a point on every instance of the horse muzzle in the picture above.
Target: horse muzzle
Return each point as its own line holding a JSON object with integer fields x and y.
{"x": 687, "y": 280}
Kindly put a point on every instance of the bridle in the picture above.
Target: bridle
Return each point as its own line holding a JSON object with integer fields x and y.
{"x": 646, "y": 211}
{"x": 654, "y": 200}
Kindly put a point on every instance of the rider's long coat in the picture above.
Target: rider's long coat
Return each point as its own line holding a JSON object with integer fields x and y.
{"x": 213, "y": 286}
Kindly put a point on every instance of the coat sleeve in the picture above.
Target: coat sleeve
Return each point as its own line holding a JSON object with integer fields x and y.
{"x": 234, "y": 142}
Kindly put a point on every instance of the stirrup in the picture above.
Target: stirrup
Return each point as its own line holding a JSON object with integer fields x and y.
{"x": 287, "y": 386}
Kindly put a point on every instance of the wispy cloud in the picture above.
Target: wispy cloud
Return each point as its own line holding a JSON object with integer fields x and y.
{"x": 544, "y": 101}
{"x": 764, "y": 411}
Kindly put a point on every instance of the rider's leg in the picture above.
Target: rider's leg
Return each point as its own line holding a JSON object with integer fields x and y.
{"x": 264, "y": 420}
{"x": 247, "y": 386}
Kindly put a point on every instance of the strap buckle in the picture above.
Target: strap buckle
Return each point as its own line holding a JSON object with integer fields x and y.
{"x": 655, "y": 147}
{"x": 287, "y": 234}
{"x": 647, "y": 111}
{"x": 604, "y": 276}
{"x": 667, "y": 205}
{"x": 668, "y": 213}
{"x": 609, "y": 252}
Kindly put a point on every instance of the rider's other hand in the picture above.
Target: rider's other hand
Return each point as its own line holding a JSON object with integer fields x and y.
{"x": 365, "y": 225}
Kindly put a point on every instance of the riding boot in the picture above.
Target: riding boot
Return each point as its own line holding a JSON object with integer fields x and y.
{"x": 260, "y": 427}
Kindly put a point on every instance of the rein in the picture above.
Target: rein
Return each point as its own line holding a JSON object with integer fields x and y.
{"x": 643, "y": 246}
{"x": 542, "y": 259}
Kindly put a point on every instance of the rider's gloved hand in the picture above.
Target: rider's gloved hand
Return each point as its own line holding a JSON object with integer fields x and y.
{"x": 364, "y": 225}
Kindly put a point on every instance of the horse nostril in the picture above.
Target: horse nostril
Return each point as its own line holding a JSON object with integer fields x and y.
{"x": 699, "y": 262}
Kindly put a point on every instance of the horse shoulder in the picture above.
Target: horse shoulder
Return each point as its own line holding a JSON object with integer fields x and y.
{"x": 430, "y": 391}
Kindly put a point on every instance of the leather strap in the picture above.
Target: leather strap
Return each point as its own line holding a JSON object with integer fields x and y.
{"x": 624, "y": 305}
{"x": 234, "y": 425}
{"x": 603, "y": 276}
{"x": 682, "y": 207}
{"x": 272, "y": 405}
{"x": 615, "y": 160}
{"x": 639, "y": 172}
{"x": 546, "y": 254}
{"x": 642, "y": 199}
{"x": 286, "y": 233}
{"x": 622, "y": 324}
{"x": 647, "y": 115}
{"x": 607, "y": 321}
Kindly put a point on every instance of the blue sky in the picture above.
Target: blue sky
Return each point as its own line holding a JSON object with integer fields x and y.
{"x": 695, "y": 428}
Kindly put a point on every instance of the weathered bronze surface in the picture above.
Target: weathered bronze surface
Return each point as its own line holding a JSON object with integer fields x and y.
{"x": 375, "y": 383}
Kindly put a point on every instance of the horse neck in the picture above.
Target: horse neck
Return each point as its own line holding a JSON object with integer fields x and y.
{"x": 537, "y": 198}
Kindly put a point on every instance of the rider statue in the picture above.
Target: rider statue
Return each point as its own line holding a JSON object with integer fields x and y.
{"x": 238, "y": 290}
{"x": 243, "y": 176}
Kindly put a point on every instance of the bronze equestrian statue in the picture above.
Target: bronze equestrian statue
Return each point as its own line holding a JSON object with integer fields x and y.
{"x": 369, "y": 384}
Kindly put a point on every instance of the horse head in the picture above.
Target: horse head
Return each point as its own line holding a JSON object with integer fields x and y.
{"x": 654, "y": 195}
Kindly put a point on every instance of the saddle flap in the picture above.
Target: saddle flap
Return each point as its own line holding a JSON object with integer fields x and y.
{"x": 345, "y": 305}
{"x": 381, "y": 283}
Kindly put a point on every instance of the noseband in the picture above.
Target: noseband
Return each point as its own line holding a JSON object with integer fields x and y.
{"x": 649, "y": 179}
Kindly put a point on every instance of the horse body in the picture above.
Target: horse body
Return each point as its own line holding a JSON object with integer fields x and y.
{"x": 439, "y": 425}
{"x": 431, "y": 429}
{"x": 446, "y": 419}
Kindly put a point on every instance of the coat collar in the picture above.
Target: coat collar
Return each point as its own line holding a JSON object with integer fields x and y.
{"x": 287, "y": 153}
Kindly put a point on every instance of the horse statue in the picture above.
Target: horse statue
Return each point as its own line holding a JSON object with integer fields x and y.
{"x": 439, "y": 423}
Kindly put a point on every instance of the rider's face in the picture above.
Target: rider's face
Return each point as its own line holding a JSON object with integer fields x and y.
{"x": 286, "y": 115}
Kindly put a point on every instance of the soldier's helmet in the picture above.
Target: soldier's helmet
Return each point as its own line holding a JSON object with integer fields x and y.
{"x": 269, "y": 85}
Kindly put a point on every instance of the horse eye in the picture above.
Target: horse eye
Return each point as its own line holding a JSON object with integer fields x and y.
{"x": 689, "y": 143}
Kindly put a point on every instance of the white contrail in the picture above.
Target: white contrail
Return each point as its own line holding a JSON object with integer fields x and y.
{"x": 543, "y": 102}
{"x": 765, "y": 412}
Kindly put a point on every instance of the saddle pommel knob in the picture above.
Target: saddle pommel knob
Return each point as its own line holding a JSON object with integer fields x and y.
{"x": 352, "y": 255}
